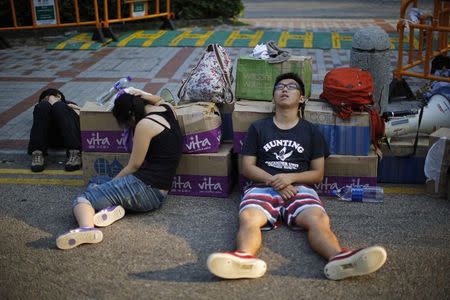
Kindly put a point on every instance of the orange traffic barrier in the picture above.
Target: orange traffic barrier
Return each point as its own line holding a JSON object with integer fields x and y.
{"x": 46, "y": 14}
{"x": 138, "y": 10}
{"x": 428, "y": 27}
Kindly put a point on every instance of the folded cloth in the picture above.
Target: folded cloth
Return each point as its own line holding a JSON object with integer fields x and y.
{"x": 276, "y": 54}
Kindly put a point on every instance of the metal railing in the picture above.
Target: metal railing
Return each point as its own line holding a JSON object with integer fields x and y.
{"x": 428, "y": 27}
{"x": 46, "y": 14}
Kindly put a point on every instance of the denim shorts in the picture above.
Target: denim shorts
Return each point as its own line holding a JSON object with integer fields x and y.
{"x": 278, "y": 210}
{"x": 128, "y": 191}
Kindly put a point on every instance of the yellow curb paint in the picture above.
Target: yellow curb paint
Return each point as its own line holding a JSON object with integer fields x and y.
{"x": 307, "y": 39}
{"x": 202, "y": 37}
{"x": 61, "y": 46}
{"x": 335, "y": 40}
{"x": 124, "y": 42}
{"x": 152, "y": 37}
{"x": 404, "y": 190}
{"x": 42, "y": 181}
{"x": 237, "y": 35}
{"x": 45, "y": 172}
{"x": 85, "y": 46}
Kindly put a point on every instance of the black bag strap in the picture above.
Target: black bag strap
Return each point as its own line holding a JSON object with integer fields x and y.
{"x": 416, "y": 140}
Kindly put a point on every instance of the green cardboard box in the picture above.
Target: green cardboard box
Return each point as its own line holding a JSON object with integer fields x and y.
{"x": 255, "y": 77}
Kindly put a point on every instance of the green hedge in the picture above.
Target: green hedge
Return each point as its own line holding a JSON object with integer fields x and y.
{"x": 194, "y": 9}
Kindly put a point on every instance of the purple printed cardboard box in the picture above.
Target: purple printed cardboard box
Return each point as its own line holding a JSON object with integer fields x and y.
{"x": 100, "y": 131}
{"x": 245, "y": 113}
{"x": 200, "y": 124}
{"x": 203, "y": 175}
{"x": 340, "y": 170}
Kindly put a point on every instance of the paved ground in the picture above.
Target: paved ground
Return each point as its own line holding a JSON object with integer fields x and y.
{"x": 162, "y": 254}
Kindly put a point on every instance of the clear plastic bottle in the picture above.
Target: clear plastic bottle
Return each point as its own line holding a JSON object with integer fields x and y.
{"x": 360, "y": 193}
{"x": 120, "y": 84}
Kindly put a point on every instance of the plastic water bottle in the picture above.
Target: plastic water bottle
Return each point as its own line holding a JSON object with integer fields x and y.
{"x": 360, "y": 193}
{"x": 121, "y": 84}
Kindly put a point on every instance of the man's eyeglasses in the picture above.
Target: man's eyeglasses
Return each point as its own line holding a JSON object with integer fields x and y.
{"x": 289, "y": 86}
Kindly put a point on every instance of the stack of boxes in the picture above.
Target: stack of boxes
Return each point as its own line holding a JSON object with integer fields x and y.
{"x": 205, "y": 166}
{"x": 352, "y": 162}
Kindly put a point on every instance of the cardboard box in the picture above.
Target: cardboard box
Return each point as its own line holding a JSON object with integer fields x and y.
{"x": 255, "y": 77}
{"x": 345, "y": 137}
{"x": 203, "y": 175}
{"x": 340, "y": 170}
{"x": 244, "y": 114}
{"x": 442, "y": 188}
{"x": 103, "y": 164}
{"x": 200, "y": 124}
{"x": 100, "y": 131}
{"x": 394, "y": 167}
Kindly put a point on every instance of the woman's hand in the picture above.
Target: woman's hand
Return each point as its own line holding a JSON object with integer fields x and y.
{"x": 75, "y": 108}
{"x": 152, "y": 99}
{"x": 135, "y": 92}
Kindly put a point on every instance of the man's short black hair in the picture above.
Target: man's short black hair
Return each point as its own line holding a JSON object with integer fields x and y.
{"x": 290, "y": 76}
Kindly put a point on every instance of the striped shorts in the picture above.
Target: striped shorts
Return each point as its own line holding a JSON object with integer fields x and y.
{"x": 276, "y": 209}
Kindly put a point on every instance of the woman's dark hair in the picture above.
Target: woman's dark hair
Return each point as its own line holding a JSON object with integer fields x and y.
{"x": 52, "y": 92}
{"x": 128, "y": 110}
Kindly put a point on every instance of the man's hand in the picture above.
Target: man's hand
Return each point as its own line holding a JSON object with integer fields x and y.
{"x": 288, "y": 192}
{"x": 279, "y": 181}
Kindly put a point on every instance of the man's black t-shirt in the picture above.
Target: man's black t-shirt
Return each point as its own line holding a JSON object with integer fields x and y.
{"x": 284, "y": 151}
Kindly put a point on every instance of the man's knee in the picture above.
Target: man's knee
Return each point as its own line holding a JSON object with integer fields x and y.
{"x": 314, "y": 217}
{"x": 252, "y": 217}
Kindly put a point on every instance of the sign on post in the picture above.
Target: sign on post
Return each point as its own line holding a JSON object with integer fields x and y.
{"x": 45, "y": 12}
{"x": 139, "y": 8}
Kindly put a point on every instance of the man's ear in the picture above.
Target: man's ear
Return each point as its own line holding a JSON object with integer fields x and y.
{"x": 302, "y": 99}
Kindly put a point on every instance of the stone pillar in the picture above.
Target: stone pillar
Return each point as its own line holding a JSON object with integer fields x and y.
{"x": 370, "y": 52}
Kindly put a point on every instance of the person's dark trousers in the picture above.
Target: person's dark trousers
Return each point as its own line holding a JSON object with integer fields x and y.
{"x": 54, "y": 126}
